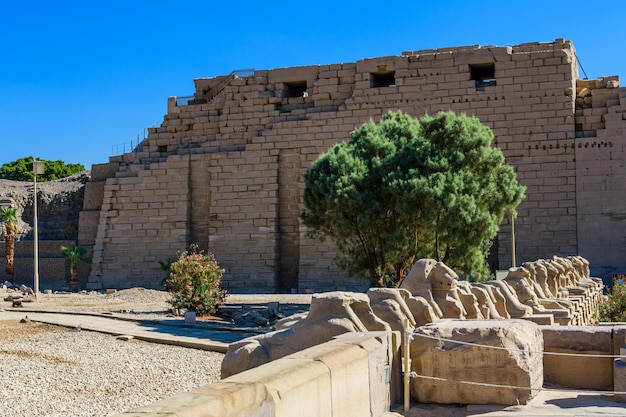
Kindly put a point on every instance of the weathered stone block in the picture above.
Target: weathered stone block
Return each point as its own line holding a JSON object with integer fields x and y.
{"x": 479, "y": 362}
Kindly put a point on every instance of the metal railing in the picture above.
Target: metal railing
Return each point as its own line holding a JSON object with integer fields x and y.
{"x": 184, "y": 100}
{"x": 133, "y": 142}
{"x": 248, "y": 72}
{"x": 240, "y": 73}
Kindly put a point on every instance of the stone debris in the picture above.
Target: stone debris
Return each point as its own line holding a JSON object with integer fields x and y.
{"x": 18, "y": 295}
{"x": 257, "y": 317}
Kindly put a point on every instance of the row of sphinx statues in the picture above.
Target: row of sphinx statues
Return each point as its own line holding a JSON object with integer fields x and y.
{"x": 560, "y": 287}
{"x": 548, "y": 291}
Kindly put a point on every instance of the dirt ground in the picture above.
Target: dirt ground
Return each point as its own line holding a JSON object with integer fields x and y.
{"x": 139, "y": 304}
{"x": 10, "y": 330}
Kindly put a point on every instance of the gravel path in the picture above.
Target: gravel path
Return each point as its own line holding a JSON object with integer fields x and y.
{"x": 49, "y": 371}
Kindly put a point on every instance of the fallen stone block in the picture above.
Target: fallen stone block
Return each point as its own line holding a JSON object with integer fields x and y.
{"x": 477, "y": 362}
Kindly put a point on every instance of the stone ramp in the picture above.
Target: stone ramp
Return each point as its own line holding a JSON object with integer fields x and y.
{"x": 166, "y": 332}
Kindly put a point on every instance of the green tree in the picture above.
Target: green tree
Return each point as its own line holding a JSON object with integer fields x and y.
{"x": 21, "y": 170}
{"x": 9, "y": 217}
{"x": 74, "y": 254}
{"x": 406, "y": 189}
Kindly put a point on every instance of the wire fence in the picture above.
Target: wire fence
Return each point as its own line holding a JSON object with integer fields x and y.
{"x": 458, "y": 342}
{"x": 587, "y": 355}
{"x": 484, "y": 384}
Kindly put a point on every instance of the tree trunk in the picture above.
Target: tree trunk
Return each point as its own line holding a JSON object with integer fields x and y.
{"x": 10, "y": 252}
{"x": 73, "y": 278}
{"x": 400, "y": 268}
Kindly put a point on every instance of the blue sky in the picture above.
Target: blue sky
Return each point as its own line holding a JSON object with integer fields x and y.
{"x": 80, "y": 78}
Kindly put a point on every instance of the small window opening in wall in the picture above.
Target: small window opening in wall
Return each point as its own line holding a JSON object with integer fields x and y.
{"x": 483, "y": 74}
{"x": 296, "y": 89}
{"x": 162, "y": 148}
{"x": 383, "y": 79}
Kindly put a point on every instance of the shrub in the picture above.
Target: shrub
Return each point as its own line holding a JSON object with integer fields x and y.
{"x": 194, "y": 282}
{"x": 613, "y": 309}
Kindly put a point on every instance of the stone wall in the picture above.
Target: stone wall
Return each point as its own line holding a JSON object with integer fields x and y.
{"x": 225, "y": 169}
{"x": 59, "y": 205}
{"x": 600, "y": 174}
{"x": 358, "y": 374}
{"x": 53, "y": 268}
{"x": 348, "y": 376}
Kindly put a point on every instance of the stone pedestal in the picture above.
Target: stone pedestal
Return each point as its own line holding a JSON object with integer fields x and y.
{"x": 480, "y": 362}
{"x": 541, "y": 319}
{"x": 190, "y": 317}
{"x": 587, "y": 367}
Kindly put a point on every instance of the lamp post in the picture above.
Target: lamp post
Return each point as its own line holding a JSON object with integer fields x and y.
{"x": 38, "y": 168}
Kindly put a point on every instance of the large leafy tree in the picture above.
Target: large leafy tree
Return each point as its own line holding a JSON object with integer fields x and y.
{"x": 9, "y": 216}
{"x": 21, "y": 170}
{"x": 405, "y": 189}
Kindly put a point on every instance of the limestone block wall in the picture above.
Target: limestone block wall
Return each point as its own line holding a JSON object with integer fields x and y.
{"x": 601, "y": 177}
{"x": 143, "y": 221}
{"x": 243, "y": 223}
{"x": 225, "y": 168}
{"x": 92, "y": 202}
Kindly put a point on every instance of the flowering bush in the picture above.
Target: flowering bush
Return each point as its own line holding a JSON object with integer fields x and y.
{"x": 194, "y": 282}
{"x": 614, "y": 307}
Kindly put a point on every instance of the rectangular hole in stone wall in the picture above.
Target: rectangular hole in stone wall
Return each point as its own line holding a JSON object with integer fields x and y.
{"x": 162, "y": 148}
{"x": 383, "y": 79}
{"x": 483, "y": 74}
{"x": 296, "y": 89}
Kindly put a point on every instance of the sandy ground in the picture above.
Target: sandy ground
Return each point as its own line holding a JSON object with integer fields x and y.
{"x": 51, "y": 371}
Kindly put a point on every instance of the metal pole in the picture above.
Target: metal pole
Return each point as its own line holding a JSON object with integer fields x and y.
{"x": 407, "y": 373}
{"x": 406, "y": 366}
{"x": 512, "y": 240}
{"x": 38, "y": 168}
{"x": 36, "y": 249}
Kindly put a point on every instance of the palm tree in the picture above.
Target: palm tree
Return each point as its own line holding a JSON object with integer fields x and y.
{"x": 9, "y": 216}
{"x": 74, "y": 253}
